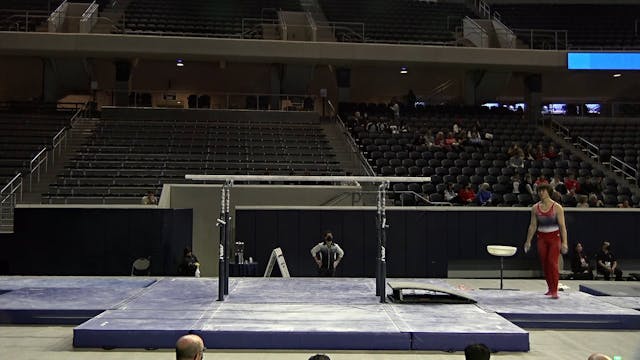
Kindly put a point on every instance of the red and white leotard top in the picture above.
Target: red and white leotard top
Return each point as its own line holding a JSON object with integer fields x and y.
{"x": 547, "y": 221}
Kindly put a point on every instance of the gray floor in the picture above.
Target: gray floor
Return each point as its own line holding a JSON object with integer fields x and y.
{"x": 54, "y": 342}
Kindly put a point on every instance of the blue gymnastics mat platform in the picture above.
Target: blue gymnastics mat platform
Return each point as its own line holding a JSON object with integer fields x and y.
{"x": 573, "y": 310}
{"x": 63, "y": 300}
{"x": 293, "y": 313}
{"x": 618, "y": 288}
{"x": 622, "y": 294}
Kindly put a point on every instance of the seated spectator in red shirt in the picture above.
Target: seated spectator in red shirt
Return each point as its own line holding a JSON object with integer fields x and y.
{"x": 467, "y": 195}
{"x": 539, "y": 152}
{"x": 551, "y": 153}
{"x": 573, "y": 186}
{"x": 540, "y": 180}
{"x": 450, "y": 141}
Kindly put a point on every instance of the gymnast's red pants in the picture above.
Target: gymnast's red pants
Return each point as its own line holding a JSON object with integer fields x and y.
{"x": 549, "y": 252}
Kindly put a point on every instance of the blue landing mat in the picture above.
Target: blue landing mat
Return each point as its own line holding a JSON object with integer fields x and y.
{"x": 620, "y": 289}
{"x": 573, "y": 310}
{"x": 295, "y": 313}
{"x": 69, "y": 301}
{"x": 622, "y": 294}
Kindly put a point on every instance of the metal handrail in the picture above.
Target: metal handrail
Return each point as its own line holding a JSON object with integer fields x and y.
{"x": 591, "y": 149}
{"x": 56, "y": 143}
{"x": 559, "y": 128}
{"x": 228, "y": 96}
{"x": 351, "y": 141}
{"x": 38, "y": 160}
{"x": 427, "y": 201}
{"x": 10, "y": 185}
{"x": 615, "y": 164}
{"x": 555, "y": 37}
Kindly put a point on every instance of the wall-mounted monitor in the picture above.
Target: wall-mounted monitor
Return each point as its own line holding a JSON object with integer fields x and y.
{"x": 592, "y": 108}
{"x": 554, "y": 109}
{"x": 603, "y": 61}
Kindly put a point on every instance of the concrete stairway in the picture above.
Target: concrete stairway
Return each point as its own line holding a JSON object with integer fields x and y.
{"x": 78, "y": 135}
{"x": 348, "y": 156}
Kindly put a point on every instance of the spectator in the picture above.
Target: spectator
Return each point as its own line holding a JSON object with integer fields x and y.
{"x": 529, "y": 152}
{"x": 189, "y": 264}
{"x": 439, "y": 139}
{"x": 450, "y": 194}
{"x": 551, "y": 153}
{"x": 477, "y": 352}
{"x": 555, "y": 182}
{"x": 513, "y": 150}
{"x": 515, "y": 183}
{"x": 517, "y": 160}
{"x": 483, "y": 198}
{"x": 474, "y": 137}
{"x": 573, "y": 186}
{"x": 190, "y": 347}
{"x": 624, "y": 204}
{"x": 527, "y": 185}
{"x": 450, "y": 141}
{"x": 395, "y": 109}
{"x": 539, "y": 152}
{"x": 150, "y": 199}
{"x": 580, "y": 264}
{"x": 594, "y": 201}
{"x": 607, "y": 263}
{"x": 583, "y": 201}
{"x": 467, "y": 195}
{"x": 539, "y": 181}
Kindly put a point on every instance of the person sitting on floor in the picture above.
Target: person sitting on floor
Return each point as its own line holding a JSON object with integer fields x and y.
{"x": 607, "y": 263}
{"x": 580, "y": 264}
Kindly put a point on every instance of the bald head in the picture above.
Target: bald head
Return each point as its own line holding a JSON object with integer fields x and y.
{"x": 189, "y": 347}
{"x": 598, "y": 356}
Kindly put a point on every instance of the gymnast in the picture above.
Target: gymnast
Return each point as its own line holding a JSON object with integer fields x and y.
{"x": 547, "y": 222}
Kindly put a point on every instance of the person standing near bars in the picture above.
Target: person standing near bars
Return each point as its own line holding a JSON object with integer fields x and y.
{"x": 547, "y": 222}
{"x": 327, "y": 255}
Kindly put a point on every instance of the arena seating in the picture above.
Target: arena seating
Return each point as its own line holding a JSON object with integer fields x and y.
{"x": 13, "y": 14}
{"x": 402, "y": 154}
{"x": 126, "y": 157}
{"x": 589, "y": 26}
{"x": 198, "y": 17}
{"x": 23, "y": 135}
{"x": 407, "y": 21}
{"x": 619, "y": 138}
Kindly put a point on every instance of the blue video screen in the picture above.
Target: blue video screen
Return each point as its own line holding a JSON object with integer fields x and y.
{"x": 603, "y": 61}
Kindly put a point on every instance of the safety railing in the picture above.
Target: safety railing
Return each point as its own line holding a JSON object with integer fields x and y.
{"x": 215, "y": 100}
{"x": 355, "y": 150}
{"x": 620, "y": 167}
{"x": 343, "y": 31}
{"x": 475, "y": 33}
{"x": 10, "y": 195}
{"x": 557, "y": 128}
{"x": 254, "y": 27}
{"x": 543, "y": 39}
{"x": 89, "y": 18}
{"x": 22, "y": 20}
{"x": 589, "y": 148}
{"x": 35, "y": 166}
{"x": 56, "y": 19}
{"x": 13, "y": 186}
